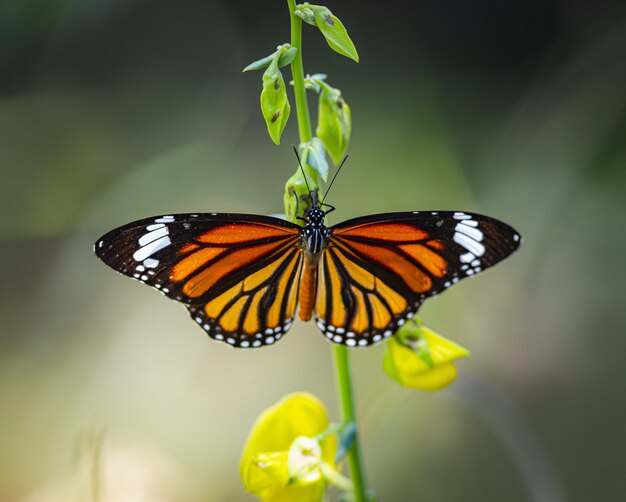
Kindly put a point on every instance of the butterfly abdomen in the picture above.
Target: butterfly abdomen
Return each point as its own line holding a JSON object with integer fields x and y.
{"x": 308, "y": 290}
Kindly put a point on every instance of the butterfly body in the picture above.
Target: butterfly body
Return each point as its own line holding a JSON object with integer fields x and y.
{"x": 242, "y": 276}
{"x": 315, "y": 237}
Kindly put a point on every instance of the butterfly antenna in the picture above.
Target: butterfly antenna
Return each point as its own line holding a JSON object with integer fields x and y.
{"x": 335, "y": 176}
{"x": 295, "y": 150}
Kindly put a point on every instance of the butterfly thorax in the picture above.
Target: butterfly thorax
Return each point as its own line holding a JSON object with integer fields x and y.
{"x": 315, "y": 234}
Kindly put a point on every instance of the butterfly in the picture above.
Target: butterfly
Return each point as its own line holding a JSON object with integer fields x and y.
{"x": 242, "y": 276}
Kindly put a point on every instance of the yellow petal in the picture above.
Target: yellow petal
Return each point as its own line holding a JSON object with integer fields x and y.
{"x": 265, "y": 471}
{"x": 264, "y": 463}
{"x": 312, "y": 492}
{"x": 410, "y": 369}
{"x": 443, "y": 350}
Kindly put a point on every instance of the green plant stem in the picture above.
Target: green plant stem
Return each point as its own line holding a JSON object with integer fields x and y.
{"x": 341, "y": 353}
{"x": 348, "y": 414}
{"x": 297, "y": 72}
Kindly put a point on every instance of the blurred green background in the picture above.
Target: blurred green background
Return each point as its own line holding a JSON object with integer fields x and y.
{"x": 112, "y": 111}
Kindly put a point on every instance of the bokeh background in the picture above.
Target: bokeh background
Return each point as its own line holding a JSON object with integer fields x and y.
{"x": 112, "y": 111}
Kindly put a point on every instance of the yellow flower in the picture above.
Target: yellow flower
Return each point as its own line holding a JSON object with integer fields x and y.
{"x": 287, "y": 457}
{"x": 419, "y": 358}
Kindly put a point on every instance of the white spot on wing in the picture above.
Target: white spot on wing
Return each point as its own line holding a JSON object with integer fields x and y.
{"x": 164, "y": 219}
{"x": 150, "y": 263}
{"x": 471, "y": 245}
{"x": 152, "y": 236}
{"x": 466, "y": 258}
{"x": 474, "y": 233}
{"x": 149, "y": 249}
{"x": 461, "y": 216}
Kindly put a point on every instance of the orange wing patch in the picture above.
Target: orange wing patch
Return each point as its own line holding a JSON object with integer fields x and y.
{"x": 194, "y": 261}
{"x": 430, "y": 260}
{"x": 389, "y": 231}
{"x": 237, "y": 233}
{"x": 257, "y": 310}
{"x": 403, "y": 268}
{"x": 354, "y": 306}
{"x": 204, "y": 280}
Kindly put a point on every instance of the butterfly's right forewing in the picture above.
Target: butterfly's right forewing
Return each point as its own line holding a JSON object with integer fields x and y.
{"x": 377, "y": 270}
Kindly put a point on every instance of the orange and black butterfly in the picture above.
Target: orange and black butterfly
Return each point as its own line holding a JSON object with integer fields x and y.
{"x": 242, "y": 276}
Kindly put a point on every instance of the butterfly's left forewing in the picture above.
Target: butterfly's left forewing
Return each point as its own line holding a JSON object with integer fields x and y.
{"x": 378, "y": 270}
{"x": 237, "y": 274}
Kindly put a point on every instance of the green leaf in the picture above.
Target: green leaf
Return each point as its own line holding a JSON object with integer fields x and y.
{"x": 260, "y": 63}
{"x": 334, "y": 122}
{"x": 287, "y": 55}
{"x": 274, "y": 103}
{"x": 334, "y": 31}
{"x": 315, "y": 155}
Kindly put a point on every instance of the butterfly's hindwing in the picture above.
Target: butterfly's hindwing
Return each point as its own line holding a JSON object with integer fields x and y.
{"x": 354, "y": 307}
{"x": 258, "y": 310}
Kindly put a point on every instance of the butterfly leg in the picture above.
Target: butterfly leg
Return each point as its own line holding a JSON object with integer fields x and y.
{"x": 332, "y": 208}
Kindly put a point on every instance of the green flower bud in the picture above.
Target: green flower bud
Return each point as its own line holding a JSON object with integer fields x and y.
{"x": 333, "y": 30}
{"x": 314, "y": 154}
{"x": 334, "y": 122}
{"x": 274, "y": 103}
